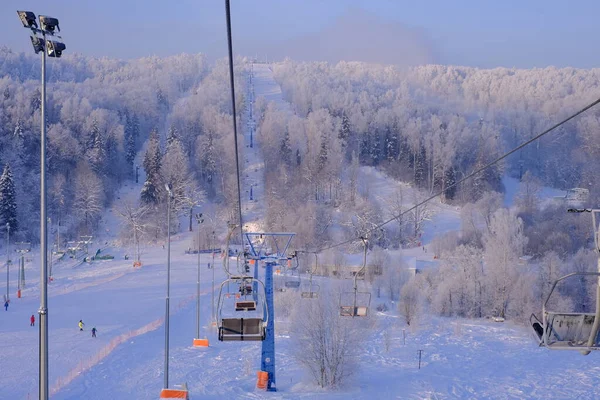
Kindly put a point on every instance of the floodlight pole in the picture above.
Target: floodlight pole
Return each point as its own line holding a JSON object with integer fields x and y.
{"x": 200, "y": 220}
{"x": 7, "y": 261}
{"x": 212, "y": 292}
{"x": 43, "y": 311}
{"x": 169, "y": 193}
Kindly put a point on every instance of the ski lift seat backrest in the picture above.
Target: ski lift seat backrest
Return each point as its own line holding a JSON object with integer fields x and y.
{"x": 569, "y": 330}
{"x": 351, "y": 311}
{"x": 292, "y": 284}
{"x": 242, "y": 329}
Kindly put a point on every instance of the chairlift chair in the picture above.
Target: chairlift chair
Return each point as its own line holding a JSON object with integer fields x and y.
{"x": 240, "y": 328}
{"x": 313, "y": 288}
{"x": 567, "y": 330}
{"x": 312, "y": 292}
{"x": 355, "y": 303}
{"x": 292, "y": 275}
{"x": 571, "y": 330}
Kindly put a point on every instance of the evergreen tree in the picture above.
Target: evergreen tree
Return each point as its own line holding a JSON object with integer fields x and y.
{"x": 172, "y": 136}
{"x": 8, "y": 203}
{"x": 153, "y": 156}
{"x": 36, "y": 100}
{"x": 344, "y": 132}
{"x": 286, "y": 148}
{"x": 130, "y": 150}
{"x": 149, "y": 194}
{"x": 323, "y": 153}
{"x": 152, "y": 164}
{"x": 135, "y": 128}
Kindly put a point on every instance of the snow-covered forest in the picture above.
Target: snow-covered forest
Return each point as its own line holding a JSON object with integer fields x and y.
{"x": 167, "y": 118}
{"x": 170, "y": 119}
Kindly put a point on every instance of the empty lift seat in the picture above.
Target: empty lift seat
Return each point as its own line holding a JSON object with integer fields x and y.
{"x": 242, "y": 329}
{"x": 569, "y": 330}
{"x": 350, "y": 311}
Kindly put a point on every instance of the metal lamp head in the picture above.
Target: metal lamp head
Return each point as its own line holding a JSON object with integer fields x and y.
{"x": 49, "y": 24}
{"x": 38, "y": 44}
{"x": 28, "y": 19}
{"x": 55, "y": 48}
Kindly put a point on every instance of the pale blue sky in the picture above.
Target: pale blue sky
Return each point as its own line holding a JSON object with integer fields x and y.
{"x": 511, "y": 33}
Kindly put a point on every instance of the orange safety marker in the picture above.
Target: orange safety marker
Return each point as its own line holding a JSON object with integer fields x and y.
{"x": 200, "y": 343}
{"x": 19, "y": 293}
{"x": 174, "y": 394}
{"x": 137, "y": 264}
{"x": 252, "y": 262}
{"x": 263, "y": 379}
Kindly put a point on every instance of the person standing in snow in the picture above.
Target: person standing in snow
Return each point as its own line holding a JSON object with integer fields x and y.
{"x": 80, "y": 325}
{"x": 6, "y": 305}
{"x": 32, "y": 320}
{"x": 94, "y": 330}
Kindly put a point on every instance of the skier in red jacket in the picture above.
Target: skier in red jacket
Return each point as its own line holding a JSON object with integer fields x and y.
{"x": 32, "y": 320}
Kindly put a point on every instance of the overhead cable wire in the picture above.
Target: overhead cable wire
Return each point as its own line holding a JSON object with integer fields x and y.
{"x": 235, "y": 136}
{"x": 472, "y": 174}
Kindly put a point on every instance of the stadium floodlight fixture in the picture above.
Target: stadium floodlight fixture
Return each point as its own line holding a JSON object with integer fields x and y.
{"x": 55, "y": 48}
{"x": 28, "y": 19}
{"x": 38, "y": 44}
{"x": 49, "y": 24}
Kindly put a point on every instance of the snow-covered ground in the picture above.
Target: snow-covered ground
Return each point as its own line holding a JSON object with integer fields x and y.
{"x": 460, "y": 358}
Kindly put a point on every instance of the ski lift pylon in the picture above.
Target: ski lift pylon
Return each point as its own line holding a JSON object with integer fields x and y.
{"x": 356, "y": 308}
{"x": 571, "y": 330}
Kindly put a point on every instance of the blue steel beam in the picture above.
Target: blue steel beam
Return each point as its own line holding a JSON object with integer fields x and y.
{"x": 267, "y": 363}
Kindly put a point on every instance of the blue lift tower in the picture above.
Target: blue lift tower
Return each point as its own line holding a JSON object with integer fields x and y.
{"x": 270, "y": 248}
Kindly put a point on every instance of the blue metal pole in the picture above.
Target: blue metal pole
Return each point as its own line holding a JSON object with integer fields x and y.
{"x": 267, "y": 363}
{"x": 255, "y": 283}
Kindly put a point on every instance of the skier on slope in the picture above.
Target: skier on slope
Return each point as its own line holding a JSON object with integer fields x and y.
{"x": 6, "y": 305}
{"x": 80, "y": 325}
{"x": 94, "y": 330}
{"x": 32, "y": 320}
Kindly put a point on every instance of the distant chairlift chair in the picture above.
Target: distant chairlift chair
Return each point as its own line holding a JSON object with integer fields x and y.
{"x": 350, "y": 306}
{"x": 569, "y": 330}
{"x": 240, "y": 328}
{"x": 292, "y": 281}
{"x": 313, "y": 289}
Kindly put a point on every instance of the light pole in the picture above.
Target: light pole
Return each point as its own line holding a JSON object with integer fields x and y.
{"x": 200, "y": 220}
{"x": 50, "y": 269}
{"x": 7, "y": 260}
{"x": 170, "y": 196}
{"x": 54, "y": 49}
{"x": 212, "y": 292}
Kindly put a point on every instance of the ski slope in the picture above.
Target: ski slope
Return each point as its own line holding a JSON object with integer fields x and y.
{"x": 475, "y": 359}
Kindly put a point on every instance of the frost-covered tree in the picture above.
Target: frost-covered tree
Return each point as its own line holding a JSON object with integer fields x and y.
{"x": 503, "y": 246}
{"x": 8, "y": 203}
{"x": 326, "y": 344}
{"x": 89, "y": 197}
